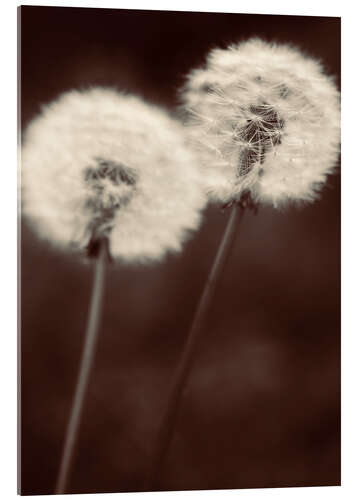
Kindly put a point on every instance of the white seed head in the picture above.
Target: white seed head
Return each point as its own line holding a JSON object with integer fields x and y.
{"x": 99, "y": 163}
{"x": 266, "y": 120}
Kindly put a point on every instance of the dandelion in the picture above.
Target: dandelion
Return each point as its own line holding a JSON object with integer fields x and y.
{"x": 101, "y": 164}
{"x": 265, "y": 120}
{"x": 102, "y": 171}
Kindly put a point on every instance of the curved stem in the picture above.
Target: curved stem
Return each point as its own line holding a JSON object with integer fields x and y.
{"x": 86, "y": 363}
{"x": 168, "y": 423}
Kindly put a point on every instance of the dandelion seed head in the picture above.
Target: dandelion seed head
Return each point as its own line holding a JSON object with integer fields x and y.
{"x": 99, "y": 163}
{"x": 265, "y": 119}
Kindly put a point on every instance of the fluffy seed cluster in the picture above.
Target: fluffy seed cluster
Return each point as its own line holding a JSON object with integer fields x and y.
{"x": 99, "y": 163}
{"x": 266, "y": 120}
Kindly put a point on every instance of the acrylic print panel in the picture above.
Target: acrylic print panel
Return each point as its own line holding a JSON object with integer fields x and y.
{"x": 138, "y": 372}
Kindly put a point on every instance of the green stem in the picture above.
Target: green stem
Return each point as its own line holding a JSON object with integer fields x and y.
{"x": 84, "y": 371}
{"x": 182, "y": 372}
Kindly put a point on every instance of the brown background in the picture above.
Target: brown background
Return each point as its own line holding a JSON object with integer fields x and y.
{"x": 262, "y": 407}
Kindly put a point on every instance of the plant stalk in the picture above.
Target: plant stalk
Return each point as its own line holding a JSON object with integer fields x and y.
{"x": 183, "y": 369}
{"x": 86, "y": 364}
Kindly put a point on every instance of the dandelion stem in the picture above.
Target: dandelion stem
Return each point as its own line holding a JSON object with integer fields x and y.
{"x": 86, "y": 363}
{"x": 182, "y": 372}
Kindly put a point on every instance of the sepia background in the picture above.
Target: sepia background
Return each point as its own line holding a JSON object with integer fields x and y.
{"x": 262, "y": 406}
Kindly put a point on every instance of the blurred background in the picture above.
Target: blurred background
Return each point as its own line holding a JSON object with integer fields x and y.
{"x": 262, "y": 406}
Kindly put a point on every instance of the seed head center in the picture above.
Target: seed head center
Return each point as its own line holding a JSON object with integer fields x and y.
{"x": 111, "y": 186}
{"x": 261, "y": 132}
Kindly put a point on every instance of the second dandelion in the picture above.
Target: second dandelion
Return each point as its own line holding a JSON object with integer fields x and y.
{"x": 264, "y": 120}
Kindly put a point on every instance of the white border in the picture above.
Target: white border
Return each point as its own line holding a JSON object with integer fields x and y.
{"x": 302, "y": 7}
{"x": 349, "y": 178}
